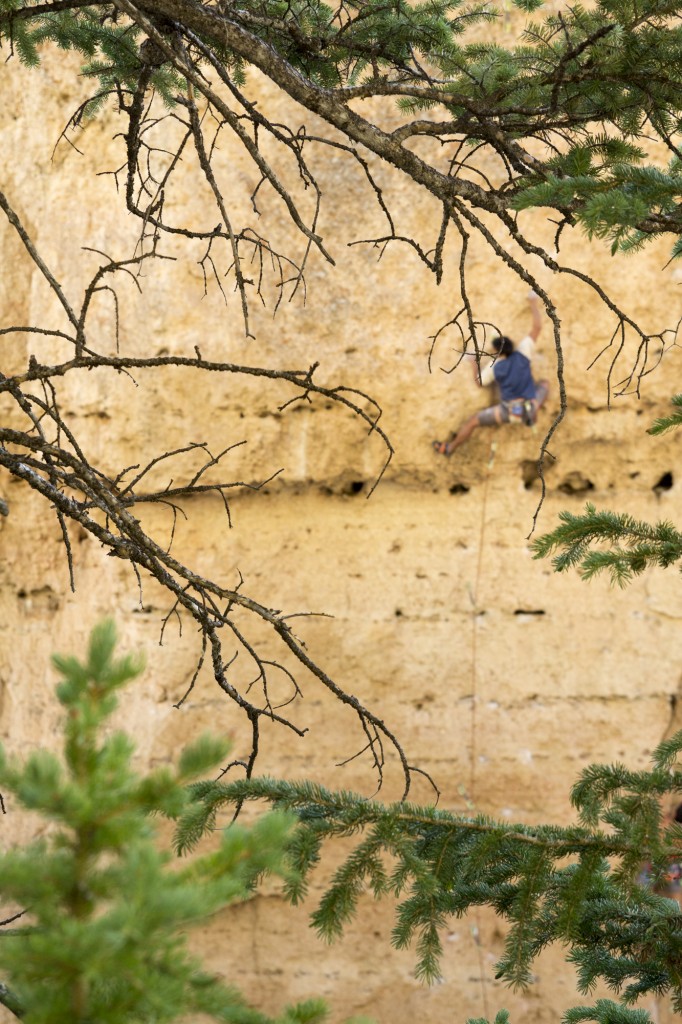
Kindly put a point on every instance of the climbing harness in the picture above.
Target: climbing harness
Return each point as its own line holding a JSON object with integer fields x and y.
{"x": 522, "y": 410}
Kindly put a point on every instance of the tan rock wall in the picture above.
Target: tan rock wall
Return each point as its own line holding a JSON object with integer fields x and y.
{"x": 501, "y": 679}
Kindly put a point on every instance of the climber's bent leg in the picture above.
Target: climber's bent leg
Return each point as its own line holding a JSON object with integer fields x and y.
{"x": 493, "y": 416}
{"x": 464, "y": 433}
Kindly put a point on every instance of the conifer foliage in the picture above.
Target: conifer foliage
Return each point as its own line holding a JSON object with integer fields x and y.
{"x": 101, "y": 937}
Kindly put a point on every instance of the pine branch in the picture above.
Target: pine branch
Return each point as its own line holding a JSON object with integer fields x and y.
{"x": 634, "y": 544}
{"x": 665, "y": 423}
{"x": 574, "y": 885}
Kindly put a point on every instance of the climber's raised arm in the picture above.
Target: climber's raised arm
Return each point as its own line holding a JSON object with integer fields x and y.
{"x": 536, "y": 319}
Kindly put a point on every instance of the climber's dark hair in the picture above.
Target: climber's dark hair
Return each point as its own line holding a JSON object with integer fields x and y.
{"x": 503, "y": 346}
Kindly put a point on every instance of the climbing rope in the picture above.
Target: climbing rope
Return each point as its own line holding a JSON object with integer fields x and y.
{"x": 473, "y": 596}
{"x": 473, "y": 751}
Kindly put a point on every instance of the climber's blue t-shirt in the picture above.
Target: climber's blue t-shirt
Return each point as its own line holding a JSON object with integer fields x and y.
{"x": 514, "y": 377}
{"x": 513, "y": 374}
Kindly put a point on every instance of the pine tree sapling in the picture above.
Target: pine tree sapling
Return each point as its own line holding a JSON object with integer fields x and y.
{"x": 102, "y": 936}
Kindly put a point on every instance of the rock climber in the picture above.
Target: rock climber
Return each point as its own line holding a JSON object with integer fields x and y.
{"x": 520, "y": 395}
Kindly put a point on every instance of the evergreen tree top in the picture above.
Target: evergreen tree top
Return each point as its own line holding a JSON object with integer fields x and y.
{"x": 102, "y": 933}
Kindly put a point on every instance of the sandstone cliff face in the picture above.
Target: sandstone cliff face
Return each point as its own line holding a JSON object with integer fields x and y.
{"x": 501, "y": 679}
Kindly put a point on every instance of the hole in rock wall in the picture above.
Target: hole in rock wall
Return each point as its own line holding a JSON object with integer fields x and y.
{"x": 664, "y": 484}
{"x": 529, "y": 611}
{"x": 575, "y": 483}
{"x": 355, "y": 487}
{"x": 39, "y": 600}
{"x": 459, "y": 489}
{"x": 529, "y": 473}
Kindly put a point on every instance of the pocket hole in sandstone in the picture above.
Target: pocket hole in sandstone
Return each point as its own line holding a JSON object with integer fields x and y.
{"x": 529, "y": 473}
{"x": 529, "y": 611}
{"x": 576, "y": 483}
{"x": 356, "y": 486}
{"x": 665, "y": 483}
{"x": 459, "y": 489}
